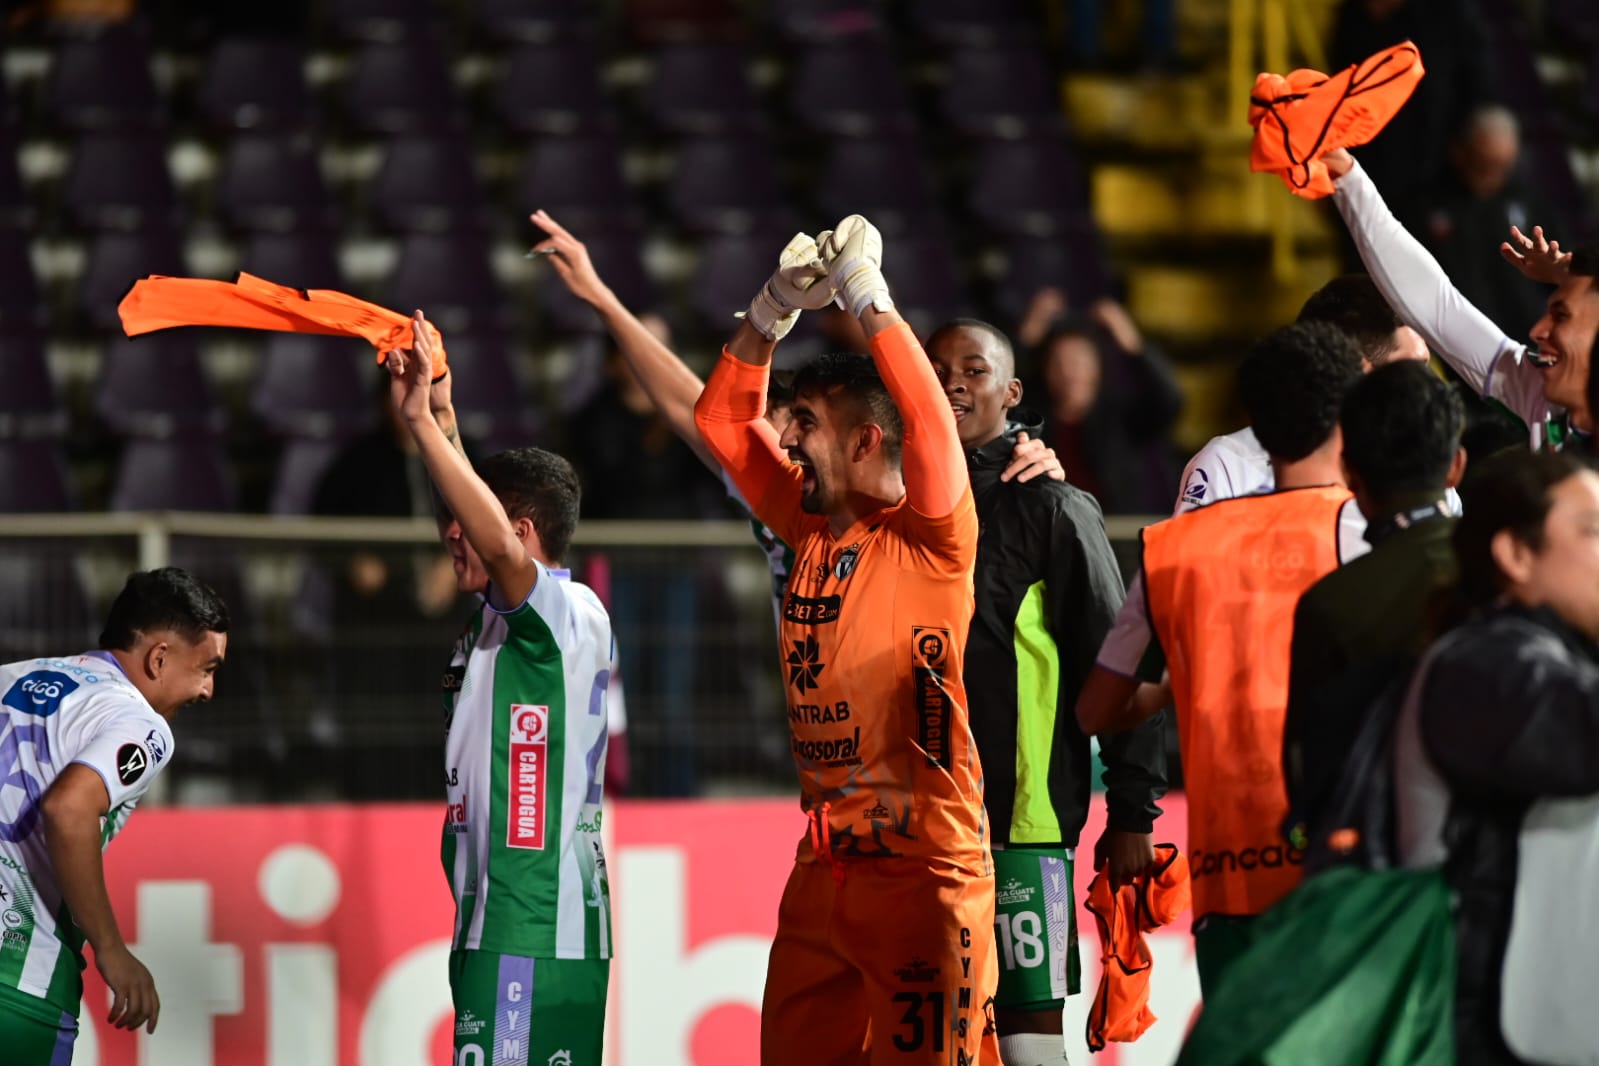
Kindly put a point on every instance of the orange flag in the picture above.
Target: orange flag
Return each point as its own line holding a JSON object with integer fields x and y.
{"x": 254, "y": 303}
{"x": 1300, "y": 118}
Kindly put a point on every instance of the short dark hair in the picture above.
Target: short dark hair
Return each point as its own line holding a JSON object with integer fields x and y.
{"x": 164, "y": 599}
{"x": 1354, "y": 304}
{"x": 1293, "y": 384}
{"x": 539, "y": 485}
{"x": 779, "y": 390}
{"x": 1402, "y": 427}
{"x": 1009, "y": 352}
{"x": 856, "y": 377}
{"x": 1506, "y": 492}
{"x": 1585, "y": 261}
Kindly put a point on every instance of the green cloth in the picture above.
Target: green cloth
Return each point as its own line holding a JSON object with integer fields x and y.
{"x": 1354, "y": 968}
{"x": 1219, "y": 941}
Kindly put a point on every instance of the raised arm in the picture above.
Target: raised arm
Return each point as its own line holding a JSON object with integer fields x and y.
{"x": 512, "y": 571}
{"x": 935, "y": 466}
{"x": 1412, "y": 281}
{"x": 671, "y": 386}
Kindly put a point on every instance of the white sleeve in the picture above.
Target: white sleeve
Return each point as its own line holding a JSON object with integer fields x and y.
{"x": 1352, "y": 542}
{"x": 127, "y": 745}
{"x": 1205, "y": 479}
{"x": 1418, "y": 290}
{"x": 1130, "y": 634}
{"x": 615, "y": 698}
{"x": 733, "y": 493}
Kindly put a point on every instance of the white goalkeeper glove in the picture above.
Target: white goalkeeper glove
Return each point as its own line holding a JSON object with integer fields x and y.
{"x": 799, "y": 283}
{"x": 853, "y": 255}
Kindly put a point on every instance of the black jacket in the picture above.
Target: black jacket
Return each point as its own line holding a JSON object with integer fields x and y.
{"x": 1047, "y": 588}
{"x": 1509, "y": 713}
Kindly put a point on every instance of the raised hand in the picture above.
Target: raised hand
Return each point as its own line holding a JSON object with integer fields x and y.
{"x": 853, "y": 255}
{"x": 799, "y": 283}
{"x": 1536, "y": 258}
{"x": 570, "y": 260}
{"x": 410, "y": 374}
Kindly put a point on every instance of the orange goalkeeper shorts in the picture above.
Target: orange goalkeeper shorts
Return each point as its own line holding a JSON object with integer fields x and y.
{"x": 892, "y": 967}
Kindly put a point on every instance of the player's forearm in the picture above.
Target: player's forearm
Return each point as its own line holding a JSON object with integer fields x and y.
{"x": 1105, "y": 704}
{"x": 72, "y": 839}
{"x": 671, "y": 386}
{"x": 480, "y": 513}
{"x": 935, "y": 467}
{"x": 1414, "y": 285}
{"x": 445, "y": 417}
{"x": 1135, "y": 775}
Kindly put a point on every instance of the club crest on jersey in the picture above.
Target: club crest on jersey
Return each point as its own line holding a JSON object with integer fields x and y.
{"x": 528, "y": 777}
{"x": 1198, "y": 485}
{"x": 39, "y": 693}
{"x": 132, "y": 762}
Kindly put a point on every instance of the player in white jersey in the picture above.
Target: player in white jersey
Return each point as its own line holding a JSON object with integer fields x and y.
{"x": 525, "y": 743}
{"x": 1235, "y": 464}
{"x": 82, "y": 737}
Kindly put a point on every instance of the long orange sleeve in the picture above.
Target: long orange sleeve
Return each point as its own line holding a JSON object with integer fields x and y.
{"x": 156, "y": 303}
{"x": 729, "y": 415}
{"x": 935, "y": 466}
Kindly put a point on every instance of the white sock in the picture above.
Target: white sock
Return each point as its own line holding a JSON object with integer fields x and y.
{"x": 1033, "y": 1049}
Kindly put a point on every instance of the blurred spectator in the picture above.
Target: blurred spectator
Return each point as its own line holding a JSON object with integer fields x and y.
{"x": 1409, "y": 154}
{"x": 1464, "y": 217}
{"x": 1108, "y": 416}
{"x": 635, "y": 467}
{"x": 383, "y": 612}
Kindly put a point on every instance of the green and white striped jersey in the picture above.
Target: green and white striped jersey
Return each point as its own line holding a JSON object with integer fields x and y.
{"x": 56, "y": 712}
{"x": 525, "y": 736}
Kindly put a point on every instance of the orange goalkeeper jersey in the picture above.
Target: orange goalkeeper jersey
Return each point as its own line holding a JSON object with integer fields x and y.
{"x": 874, "y": 625}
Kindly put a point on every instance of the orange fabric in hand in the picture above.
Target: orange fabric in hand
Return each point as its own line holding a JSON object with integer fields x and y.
{"x": 1300, "y": 118}
{"x": 254, "y": 303}
{"x": 1121, "y": 1006}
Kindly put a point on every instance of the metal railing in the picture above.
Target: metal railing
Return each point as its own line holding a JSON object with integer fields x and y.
{"x": 341, "y": 629}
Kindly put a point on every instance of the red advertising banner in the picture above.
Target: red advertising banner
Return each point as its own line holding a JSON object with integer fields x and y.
{"x": 318, "y": 936}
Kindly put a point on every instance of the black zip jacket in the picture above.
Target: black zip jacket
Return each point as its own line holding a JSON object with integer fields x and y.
{"x": 1509, "y": 713}
{"x": 1047, "y": 589}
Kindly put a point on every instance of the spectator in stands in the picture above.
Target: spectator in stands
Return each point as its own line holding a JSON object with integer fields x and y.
{"x": 635, "y": 467}
{"x": 1500, "y": 720}
{"x": 1362, "y": 626}
{"x": 384, "y": 610}
{"x": 1409, "y": 155}
{"x": 1464, "y": 217}
{"x": 1109, "y": 416}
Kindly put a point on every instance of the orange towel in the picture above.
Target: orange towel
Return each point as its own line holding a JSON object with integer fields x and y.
{"x": 1121, "y": 1006}
{"x": 254, "y": 303}
{"x": 1300, "y": 118}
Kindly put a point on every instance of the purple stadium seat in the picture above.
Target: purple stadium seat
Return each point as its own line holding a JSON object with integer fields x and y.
{"x": 881, "y": 179}
{"x": 427, "y": 183}
{"x": 972, "y": 23}
{"x": 153, "y": 386}
{"x": 115, "y": 262}
{"x": 19, "y": 290}
{"x": 447, "y": 276}
{"x": 102, "y": 82}
{"x": 273, "y": 182}
{"x": 850, "y": 89}
{"x": 181, "y": 474}
{"x": 1028, "y": 188}
{"x": 531, "y": 21}
{"x": 15, "y": 210}
{"x": 119, "y": 181}
{"x": 579, "y": 181}
{"x": 730, "y": 269}
{"x": 312, "y": 386}
{"x": 384, "y": 21}
{"x": 825, "y": 20}
{"x": 29, "y": 406}
{"x": 305, "y": 259}
{"x": 552, "y": 90}
{"x": 252, "y": 83}
{"x": 301, "y": 465}
{"x": 489, "y": 401}
{"x": 400, "y": 88}
{"x": 1073, "y": 262}
{"x": 925, "y": 281}
{"x": 1006, "y": 92}
{"x": 33, "y": 478}
{"x": 726, "y": 185}
{"x": 701, "y": 89}
{"x": 43, "y": 602}
{"x": 616, "y": 258}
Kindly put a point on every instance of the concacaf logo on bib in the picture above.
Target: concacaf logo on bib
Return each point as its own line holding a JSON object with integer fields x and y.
{"x": 530, "y": 726}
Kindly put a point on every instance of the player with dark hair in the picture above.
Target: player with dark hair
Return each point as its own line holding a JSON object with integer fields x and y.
{"x": 884, "y": 950}
{"x": 1047, "y": 589}
{"x": 82, "y": 737}
{"x": 1235, "y": 464}
{"x": 525, "y": 746}
{"x": 1215, "y": 598}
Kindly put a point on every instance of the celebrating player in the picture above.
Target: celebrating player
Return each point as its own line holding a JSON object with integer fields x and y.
{"x": 1047, "y": 589}
{"x": 81, "y": 739}
{"x": 525, "y": 742}
{"x": 884, "y": 950}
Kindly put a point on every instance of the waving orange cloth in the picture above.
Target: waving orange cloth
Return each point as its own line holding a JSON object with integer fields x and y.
{"x": 1300, "y": 118}
{"x": 1121, "y": 1006}
{"x": 254, "y": 303}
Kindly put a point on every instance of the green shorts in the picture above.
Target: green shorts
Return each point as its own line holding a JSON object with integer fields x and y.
{"x": 34, "y": 1033}
{"x": 516, "y": 1011}
{"x": 1035, "y": 928}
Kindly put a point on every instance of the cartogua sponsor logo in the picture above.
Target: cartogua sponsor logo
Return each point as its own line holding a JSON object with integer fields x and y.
{"x": 527, "y": 778}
